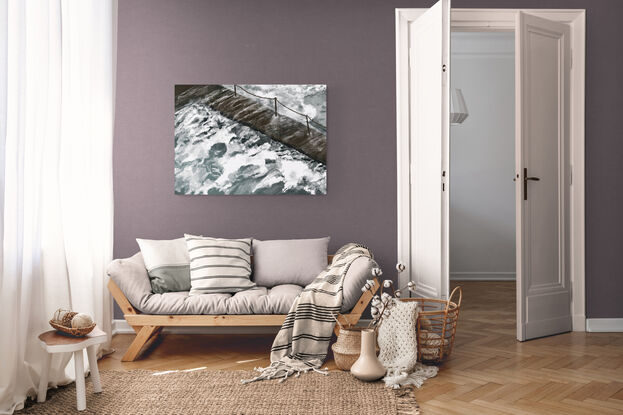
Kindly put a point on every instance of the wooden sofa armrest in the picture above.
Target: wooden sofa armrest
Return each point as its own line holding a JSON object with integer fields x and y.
{"x": 353, "y": 317}
{"x": 120, "y": 298}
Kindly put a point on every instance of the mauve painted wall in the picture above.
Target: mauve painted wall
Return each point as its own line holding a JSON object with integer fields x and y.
{"x": 348, "y": 45}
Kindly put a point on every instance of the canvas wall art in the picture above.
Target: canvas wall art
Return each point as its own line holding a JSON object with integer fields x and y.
{"x": 250, "y": 139}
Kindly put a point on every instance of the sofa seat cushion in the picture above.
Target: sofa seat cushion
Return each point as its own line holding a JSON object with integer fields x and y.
{"x": 260, "y": 300}
{"x": 131, "y": 277}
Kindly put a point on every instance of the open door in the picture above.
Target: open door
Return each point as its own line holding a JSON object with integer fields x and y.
{"x": 429, "y": 58}
{"x": 543, "y": 62}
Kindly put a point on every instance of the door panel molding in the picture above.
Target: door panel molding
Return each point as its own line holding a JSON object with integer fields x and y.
{"x": 542, "y": 136}
{"x": 496, "y": 20}
{"x": 429, "y": 113}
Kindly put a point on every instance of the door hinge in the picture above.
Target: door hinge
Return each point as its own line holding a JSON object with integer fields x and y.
{"x": 444, "y": 67}
{"x": 443, "y": 181}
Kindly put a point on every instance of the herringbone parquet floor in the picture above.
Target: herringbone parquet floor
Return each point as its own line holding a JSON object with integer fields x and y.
{"x": 488, "y": 373}
{"x": 491, "y": 373}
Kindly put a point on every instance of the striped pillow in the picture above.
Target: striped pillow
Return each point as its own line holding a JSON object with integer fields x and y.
{"x": 219, "y": 265}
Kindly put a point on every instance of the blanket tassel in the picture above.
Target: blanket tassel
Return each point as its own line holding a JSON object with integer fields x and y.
{"x": 279, "y": 370}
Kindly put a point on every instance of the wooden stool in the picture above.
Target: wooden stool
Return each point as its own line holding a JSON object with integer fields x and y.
{"x": 53, "y": 342}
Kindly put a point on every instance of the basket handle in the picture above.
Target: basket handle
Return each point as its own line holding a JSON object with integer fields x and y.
{"x": 458, "y": 287}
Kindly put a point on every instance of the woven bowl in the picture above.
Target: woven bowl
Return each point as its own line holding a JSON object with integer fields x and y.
{"x": 74, "y": 332}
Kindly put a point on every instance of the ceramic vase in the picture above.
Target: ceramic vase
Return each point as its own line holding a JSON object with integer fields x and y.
{"x": 368, "y": 367}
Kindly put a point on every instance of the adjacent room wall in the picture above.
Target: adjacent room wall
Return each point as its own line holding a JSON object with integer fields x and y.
{"x": 350, "y": 46}
{"x": 482, "y": 158}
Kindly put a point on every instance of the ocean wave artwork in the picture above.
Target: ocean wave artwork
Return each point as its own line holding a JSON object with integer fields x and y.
{"x": 246, "y": 139}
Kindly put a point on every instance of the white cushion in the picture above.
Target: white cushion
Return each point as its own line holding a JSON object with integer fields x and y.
{"x": 167, "y": 264}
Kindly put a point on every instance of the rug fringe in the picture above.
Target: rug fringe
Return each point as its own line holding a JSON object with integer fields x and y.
{"x": 405, "y": 402}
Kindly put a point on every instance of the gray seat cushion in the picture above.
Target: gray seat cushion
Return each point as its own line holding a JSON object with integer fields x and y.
{"x": 131, "y": 277}
{"x": 258, "y": 300}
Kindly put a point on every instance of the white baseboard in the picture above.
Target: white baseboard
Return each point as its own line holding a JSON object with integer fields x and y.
{"x": 120, "y": 326}
{"x": 482, "y": 276}
{"x": 604, "y": 325}
{"x": 116, "y": 326}
{"x": 579, "y": 322}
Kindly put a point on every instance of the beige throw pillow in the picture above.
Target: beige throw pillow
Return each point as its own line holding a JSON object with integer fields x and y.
{"x": 291, "y": 261}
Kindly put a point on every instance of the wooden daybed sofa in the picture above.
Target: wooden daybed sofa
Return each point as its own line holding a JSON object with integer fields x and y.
{"x": 130, "y": 275}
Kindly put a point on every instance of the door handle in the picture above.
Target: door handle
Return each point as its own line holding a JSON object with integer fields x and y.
{"x": 525, "y": 182}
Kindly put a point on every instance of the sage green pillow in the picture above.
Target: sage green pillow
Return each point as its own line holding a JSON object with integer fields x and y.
{"x": 167, "y": 263}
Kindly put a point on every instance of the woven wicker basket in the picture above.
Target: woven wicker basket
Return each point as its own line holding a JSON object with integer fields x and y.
{"x": 436, "y": 327}
{"x": 347, "y": 348}
{"x": 75, "y": 332}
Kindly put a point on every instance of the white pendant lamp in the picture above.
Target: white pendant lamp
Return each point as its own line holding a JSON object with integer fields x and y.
{"x": 458, "y": 109}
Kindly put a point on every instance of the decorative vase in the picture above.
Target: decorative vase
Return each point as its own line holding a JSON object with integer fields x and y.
{"x": 347, "y": 347}
{"x": 368, "y": 367}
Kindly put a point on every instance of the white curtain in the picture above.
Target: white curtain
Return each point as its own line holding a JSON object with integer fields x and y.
{"x": 57, "y": 77}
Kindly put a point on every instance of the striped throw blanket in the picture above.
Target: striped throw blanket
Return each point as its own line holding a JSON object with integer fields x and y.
{"x": 301, "y": 344}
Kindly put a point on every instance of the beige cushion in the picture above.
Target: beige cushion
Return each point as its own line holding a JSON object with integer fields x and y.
{"x": 291, "y": 261}
{"x": 131, "y": 277}
{"x": 360, "y": 271}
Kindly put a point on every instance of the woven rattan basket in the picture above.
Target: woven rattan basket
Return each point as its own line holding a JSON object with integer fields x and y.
{"x": 348, "y": 346}
{"x": 436, "y": 326}
{"x": 75, "y": 332}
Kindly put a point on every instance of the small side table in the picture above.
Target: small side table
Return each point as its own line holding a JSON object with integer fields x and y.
{"x": 53, "y": 342}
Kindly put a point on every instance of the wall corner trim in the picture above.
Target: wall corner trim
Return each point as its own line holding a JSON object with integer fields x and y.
{"x": 604, "y": 325}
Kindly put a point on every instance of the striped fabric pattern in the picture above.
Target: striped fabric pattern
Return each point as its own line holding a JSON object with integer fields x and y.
{"x": 302, "y": 343}
{"x": 219, "y": 265}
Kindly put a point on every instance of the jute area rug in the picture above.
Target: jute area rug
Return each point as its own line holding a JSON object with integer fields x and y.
{"x": 220, "y": 392}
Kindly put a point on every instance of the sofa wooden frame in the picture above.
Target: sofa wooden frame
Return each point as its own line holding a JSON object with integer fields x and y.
{"x": 149, "y": 326}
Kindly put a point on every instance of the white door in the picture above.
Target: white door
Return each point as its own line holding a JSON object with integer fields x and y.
{"x": 429, "y": 57}
{"x": 542, "y": 73}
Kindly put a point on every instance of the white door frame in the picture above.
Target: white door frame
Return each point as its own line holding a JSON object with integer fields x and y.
{"x": 501, "y": 20}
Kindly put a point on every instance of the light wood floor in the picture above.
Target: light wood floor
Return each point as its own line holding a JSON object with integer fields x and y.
{"x": 488, "y": 373}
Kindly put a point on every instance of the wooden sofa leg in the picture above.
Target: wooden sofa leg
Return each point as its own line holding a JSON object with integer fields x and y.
{"x": 144, "y": 334}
